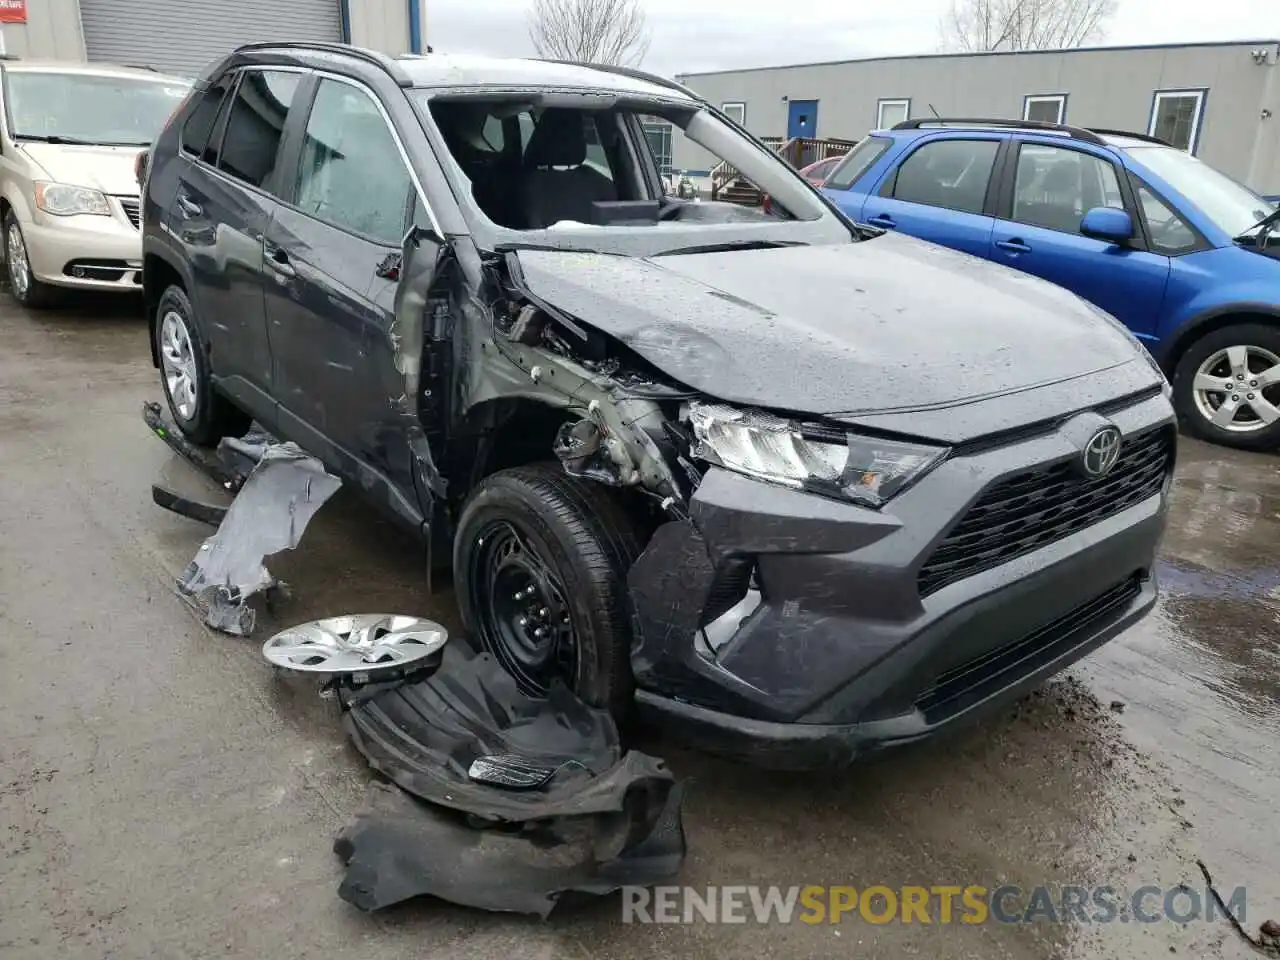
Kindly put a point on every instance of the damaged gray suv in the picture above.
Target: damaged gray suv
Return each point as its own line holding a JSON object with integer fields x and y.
{"x": 795, "y": 490}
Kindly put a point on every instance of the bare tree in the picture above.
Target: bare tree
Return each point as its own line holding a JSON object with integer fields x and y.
{"x": 980, "y": 25}
{"x": 593, "y": 31}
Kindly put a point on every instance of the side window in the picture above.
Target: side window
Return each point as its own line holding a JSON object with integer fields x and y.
{"x": 948, "y": 173}
{"x": 596, "y": 156}
{"x": 1054, "y": 187}
{"x": 351, "y": 173}
{"x": 857, "y": 162}
{"x": 1170, "y": 234}
{"x": 252, "y": 140}
{"x": 199, "y": 126}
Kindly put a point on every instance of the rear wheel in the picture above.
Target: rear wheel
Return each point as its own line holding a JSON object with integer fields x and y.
{"x": 203, "y": 415}
{"x": 1226, "y": 387}
{"x": 541, "y": 560}
{"x": 27, "y": 290}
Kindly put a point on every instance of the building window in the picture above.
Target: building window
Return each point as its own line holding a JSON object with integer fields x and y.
{"x": 736, "y": 112}
{"x": 658, "y": 132}
{"x": 889, "y": 112}
{"x": 1045, "y": 108}
{"x": 1175, "y": 117}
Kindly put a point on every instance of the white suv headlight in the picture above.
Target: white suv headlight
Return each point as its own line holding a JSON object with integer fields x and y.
{"x": 64, "y": 200}
{"x": 866, "y": 470}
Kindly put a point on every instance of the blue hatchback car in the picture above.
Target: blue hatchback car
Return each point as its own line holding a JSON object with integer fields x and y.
{"x": 1176, "y": 250}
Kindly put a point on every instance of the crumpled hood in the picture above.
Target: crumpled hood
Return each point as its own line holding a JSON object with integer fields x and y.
{"x": 109, "y": 169}
{"x": 885, "y": 333}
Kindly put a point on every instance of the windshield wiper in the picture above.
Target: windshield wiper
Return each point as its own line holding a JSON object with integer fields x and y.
{"x": 1263, "y": 227}
{"x": 54, "y": 138}
{"x": 730, "y": 245}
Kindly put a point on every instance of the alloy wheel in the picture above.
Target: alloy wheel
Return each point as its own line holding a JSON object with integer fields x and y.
{"x": 19, "y": 267}
{"x": 522, "y": 609}
{"x": 178, "y": 363}
{"x": 1237, "y": 388}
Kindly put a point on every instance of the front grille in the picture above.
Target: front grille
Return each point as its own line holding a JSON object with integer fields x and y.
{"x": 130, "y": 207}
{"x": 1030, "y": 510}
{"x": 970, "y": 683}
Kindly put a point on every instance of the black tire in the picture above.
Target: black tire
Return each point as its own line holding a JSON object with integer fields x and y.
{"x": 1260, "y": 336}
{"x": 213, "y": 416}
{"x": 585, "y": 537}
{"x": 32, "y": 293}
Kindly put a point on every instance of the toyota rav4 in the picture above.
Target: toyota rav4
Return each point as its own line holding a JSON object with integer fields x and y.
{"x": 793, "y": 489}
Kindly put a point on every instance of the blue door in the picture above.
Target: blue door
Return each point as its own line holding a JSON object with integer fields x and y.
{"x": 802, "y": 119}
{"x": 1039, "y": 232}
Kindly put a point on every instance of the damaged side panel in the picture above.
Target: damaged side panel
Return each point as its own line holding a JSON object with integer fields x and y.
{"x": 524, "y": 349}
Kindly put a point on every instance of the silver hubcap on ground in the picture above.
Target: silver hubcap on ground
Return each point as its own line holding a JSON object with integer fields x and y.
{"x": 356, "y": 644}
{"x": 19, "y": 269}
{"x": 1238, "y": 388}
{"x": 179, "y": 363}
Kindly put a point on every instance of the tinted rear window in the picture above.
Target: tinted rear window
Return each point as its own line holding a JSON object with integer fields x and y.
{"x": 256, "y": 124}
{"x": 199, "y": 126}
{"x": 857, "y": 163}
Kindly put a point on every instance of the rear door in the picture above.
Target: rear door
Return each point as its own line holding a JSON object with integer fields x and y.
{"x": 221, "y": 209}
{"x": 332, "y": 257}
{"x": 1047, "y": 189}
{"x": 942, "y": 190}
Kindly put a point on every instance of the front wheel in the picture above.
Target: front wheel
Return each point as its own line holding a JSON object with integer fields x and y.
{"x": 540, "y": 561}
{"x": 27, "y": 290}
{"x": 1226, "y": 387}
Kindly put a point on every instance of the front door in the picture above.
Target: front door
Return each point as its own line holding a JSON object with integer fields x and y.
{"x": 802, "y": 119}
{"x": 331, "y": 255}
{"x": 1039, "y": 231}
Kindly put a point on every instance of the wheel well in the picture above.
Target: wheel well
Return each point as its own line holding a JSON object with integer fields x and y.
{"x": 5, "y": 207}
{"x": 506, "y": 434}
{"x": 157, "y": 276}
{"x": 1193, "y": 332}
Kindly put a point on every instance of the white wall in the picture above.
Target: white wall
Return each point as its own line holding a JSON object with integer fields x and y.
{"x": 381, "y": 25}
{"x": 52, "y": 31}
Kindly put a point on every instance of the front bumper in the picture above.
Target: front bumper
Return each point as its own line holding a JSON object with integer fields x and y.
{"x": 89, "y": 252}
{"x": 838, "y": 654}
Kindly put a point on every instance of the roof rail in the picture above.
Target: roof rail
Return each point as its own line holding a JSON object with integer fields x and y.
{"x": 1131, "y": 133}
{"x": 380, "y": 60}
{"x": 1079, "y": 133}
{"x": 630, "y": 72}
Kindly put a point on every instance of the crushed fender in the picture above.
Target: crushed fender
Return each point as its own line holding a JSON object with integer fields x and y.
{"x": 505, "y": 803}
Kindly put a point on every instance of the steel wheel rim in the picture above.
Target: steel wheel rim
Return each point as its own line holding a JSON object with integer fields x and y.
{"x": 178, "y": 363}
{"x": 1237, "y": 388}
{"x": 19, "y": 268}
{"x": 521, "y": 608}
{"x": 361, "y": 643}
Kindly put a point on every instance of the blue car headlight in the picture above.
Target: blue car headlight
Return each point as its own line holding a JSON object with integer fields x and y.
{"x": 867, "y": 470}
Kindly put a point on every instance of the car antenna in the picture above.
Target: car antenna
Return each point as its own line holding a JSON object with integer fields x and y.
{"x": 936, "y": 114}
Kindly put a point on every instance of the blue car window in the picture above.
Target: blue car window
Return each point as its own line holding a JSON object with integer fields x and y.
{"x": 1055, "y": 187}
{"x": 1169, "y": 232}
{"x": 948, "y": 173}
{"x": 857, "y": 162}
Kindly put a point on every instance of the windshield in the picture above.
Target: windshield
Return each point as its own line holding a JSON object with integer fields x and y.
{"x": 1231, "y": 206}
{"x": 78, "y": 107}
{"x": 579, "y": 172}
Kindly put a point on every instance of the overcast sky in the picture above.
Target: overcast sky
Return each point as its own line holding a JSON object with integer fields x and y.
{"x": 693, "y": 35}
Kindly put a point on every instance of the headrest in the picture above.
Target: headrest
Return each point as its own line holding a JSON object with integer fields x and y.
{"x": 559, "y": 140}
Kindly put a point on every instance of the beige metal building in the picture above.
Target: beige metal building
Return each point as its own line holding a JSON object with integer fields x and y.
{"x": 181, "y": 36}
{"x": 1219, "y": 100}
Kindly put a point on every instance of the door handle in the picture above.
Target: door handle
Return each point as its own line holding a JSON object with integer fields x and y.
{"x": 189, "y": 207}
{"x": 883, "y": 221}
{"x": 1014, "y": 245}
{"x": 278, "y": 262}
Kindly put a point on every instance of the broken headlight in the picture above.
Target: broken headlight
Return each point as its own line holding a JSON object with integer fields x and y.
{"x": 866, "y": 470}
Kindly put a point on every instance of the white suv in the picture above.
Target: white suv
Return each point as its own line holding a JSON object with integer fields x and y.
{"x": 68, "y": 190}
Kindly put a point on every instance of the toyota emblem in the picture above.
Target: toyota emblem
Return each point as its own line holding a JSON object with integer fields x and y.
{"x": 1101, "y": 452}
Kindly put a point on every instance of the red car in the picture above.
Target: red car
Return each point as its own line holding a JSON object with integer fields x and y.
{"x": 817, "y": 173}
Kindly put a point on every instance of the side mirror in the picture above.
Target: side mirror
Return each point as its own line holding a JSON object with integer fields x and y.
{"x": 1107, "y": 223}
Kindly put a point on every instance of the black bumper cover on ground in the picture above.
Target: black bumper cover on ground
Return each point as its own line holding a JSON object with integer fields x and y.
{"x": 601, "y": 821}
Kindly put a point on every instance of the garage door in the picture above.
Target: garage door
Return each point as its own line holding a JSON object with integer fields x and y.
{"x": 183, "y": 36}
